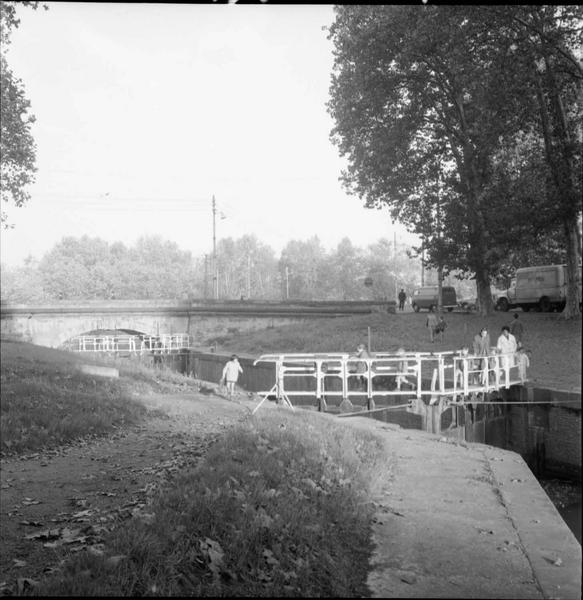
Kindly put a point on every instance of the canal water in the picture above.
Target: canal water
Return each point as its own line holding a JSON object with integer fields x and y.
{"x": 566, "y": 496}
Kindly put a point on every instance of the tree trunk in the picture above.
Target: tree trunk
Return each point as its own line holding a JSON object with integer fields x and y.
{"x": 573, "y": 301}
{"x": 440, "y": 290}
{"x": 484, "y": 293}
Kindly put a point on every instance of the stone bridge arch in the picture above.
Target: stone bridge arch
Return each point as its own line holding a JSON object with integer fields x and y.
{"x": 53, "y": 330}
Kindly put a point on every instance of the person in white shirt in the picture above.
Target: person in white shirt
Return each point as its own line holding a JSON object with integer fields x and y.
{"x": 507, "y": 347}
{"x": 231, "y": 374}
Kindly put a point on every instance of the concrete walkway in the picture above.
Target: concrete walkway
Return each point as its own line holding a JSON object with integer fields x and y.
{"x": 457, "y": 520}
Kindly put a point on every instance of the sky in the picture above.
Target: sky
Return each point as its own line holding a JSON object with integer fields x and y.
{"x": 146, "y": 111}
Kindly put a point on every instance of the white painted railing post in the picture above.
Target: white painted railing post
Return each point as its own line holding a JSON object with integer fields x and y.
{"x": 419, "y": 380}
{"x": 344, "y": 379}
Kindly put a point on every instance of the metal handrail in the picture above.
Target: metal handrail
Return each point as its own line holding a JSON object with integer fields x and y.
{"x": 161, "y": 344}
{"x": 451, "y": 373}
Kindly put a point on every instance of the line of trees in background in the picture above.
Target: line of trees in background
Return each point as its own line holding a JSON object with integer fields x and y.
{"x": 466, "y": 122}
{"x": 92, "y": 269}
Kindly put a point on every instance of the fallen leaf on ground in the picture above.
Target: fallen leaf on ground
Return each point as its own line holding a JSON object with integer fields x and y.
{"x": 47, "y": 534}
{"x": 113, "y": 561}
{"x": 24, "y": 583}
{"x": 19, "y": 563}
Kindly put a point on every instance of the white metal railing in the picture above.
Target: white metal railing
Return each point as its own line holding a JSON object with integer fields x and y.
{"x": 158, "y": 344}
{"x": 416, "y": 374}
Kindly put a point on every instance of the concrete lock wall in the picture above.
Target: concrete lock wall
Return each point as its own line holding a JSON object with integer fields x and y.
{"x": 547, "y": 435}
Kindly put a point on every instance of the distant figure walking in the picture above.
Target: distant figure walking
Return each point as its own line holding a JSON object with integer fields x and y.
{"x": 431, "y": 324}
{"x": 402, "y": 298}
{"x": 230, "y": 375}
{"x": 517, "y": 328}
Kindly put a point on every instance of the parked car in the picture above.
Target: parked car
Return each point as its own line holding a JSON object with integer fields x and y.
{"x": 426, "y": 297}
{"x": 543, "y": 288}
{"x": 468, "y": 304}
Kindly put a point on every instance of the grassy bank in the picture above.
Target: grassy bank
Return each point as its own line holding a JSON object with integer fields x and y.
{"x": 279, "y": 508}
{"x": 47, "y": 401}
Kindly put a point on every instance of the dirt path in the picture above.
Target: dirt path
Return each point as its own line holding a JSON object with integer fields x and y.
{"x": 63, "y": 501}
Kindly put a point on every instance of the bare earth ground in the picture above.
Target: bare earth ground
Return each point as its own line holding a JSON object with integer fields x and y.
{"x": 62, "y": 501}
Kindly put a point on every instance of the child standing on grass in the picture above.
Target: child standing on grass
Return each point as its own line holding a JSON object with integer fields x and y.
{"x": 440, "y": 328}
{"x": 231, "y": 374}
{"x": 431, "y": 324}
{"x": 522, "y": 362}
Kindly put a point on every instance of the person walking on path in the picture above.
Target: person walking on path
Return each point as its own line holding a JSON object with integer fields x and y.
{"x": 517, "y": 328}
{"x": 431, "y": 324}
{"x": 231, "y": 374}
{"x": 402, "y": 298}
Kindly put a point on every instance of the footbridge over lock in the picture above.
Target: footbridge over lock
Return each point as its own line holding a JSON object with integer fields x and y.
{"x": 417, "y": 379}
{"x": 205, "y": 321}
{"x": 464, "y": 398}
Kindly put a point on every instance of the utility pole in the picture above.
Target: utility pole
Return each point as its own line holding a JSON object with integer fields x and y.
{"x": 286, "y": 282}
{"x": 206, "y": 274}
{"x": 248, "y": 276}
{"x": 215, "y": 280}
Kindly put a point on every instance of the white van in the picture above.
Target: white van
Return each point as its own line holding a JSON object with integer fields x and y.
{"x": 543, "y": 288}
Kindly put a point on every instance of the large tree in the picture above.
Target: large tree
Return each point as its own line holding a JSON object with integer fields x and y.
{"x": 550, "y": 40}
{"x": 17, "y": 146}
{"x": 428, "y": 101}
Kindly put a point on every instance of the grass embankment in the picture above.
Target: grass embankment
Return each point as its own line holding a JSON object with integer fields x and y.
{"x": 46, "y": 401}
{"x": 279, "y": 508}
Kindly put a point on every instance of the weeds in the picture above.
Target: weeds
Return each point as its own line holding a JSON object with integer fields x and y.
{"x": 276, "y": 510}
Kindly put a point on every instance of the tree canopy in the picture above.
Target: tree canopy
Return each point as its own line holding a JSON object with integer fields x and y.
{"x": 89, "y": 268}
{"x": 440, "y": 112}
{"x": 17, "y": 145}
